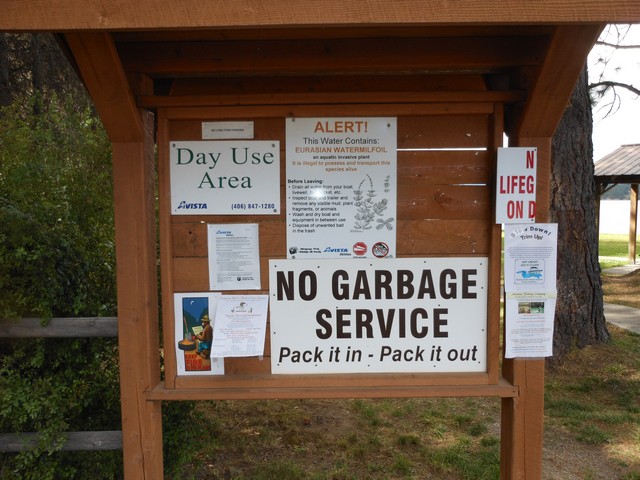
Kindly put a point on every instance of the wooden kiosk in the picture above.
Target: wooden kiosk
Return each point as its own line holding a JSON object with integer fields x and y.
{"x": 456, "y": 76}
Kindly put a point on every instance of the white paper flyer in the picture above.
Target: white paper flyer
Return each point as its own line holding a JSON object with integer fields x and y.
{"x": 234, "y": 256}
{"x": 241, "y": 323}
{"x": 530, "y": 257}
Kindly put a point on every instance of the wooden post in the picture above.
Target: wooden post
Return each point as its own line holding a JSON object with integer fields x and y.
{"x": 134, "y": 192}
{"x": 633, "y": 222}
{"x": 523, "y": 416}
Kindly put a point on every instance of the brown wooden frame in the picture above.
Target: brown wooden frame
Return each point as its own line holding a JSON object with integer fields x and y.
{"x": 97, "y": 34}
{"x": 253, "y": 380}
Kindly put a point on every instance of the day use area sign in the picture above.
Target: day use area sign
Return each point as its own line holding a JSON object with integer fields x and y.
{"x": 378, "y": 316}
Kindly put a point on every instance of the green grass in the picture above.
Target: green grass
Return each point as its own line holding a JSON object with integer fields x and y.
{"x": 614, "y": 250}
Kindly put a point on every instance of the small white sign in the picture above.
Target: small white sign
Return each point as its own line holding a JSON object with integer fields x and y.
{"x": 378, "y": 316}
{"x": 226, "y": 130}
{"x": 516, "y": 185}
{"x": 234, "y": 256}
{"x": 225, "y": 177}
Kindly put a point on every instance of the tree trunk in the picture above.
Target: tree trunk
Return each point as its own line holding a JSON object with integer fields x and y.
{"x": 5, "y": 86}
{"x": 579, "y": 319}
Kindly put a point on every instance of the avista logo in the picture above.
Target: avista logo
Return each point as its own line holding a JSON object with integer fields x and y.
{"x": 191, "y": 206}
{"x": 335, "y": 250}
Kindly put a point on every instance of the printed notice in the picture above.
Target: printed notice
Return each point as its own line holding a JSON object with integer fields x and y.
{"x": 530, "y": 252}
{"x": 529, "y": 331}
{"x": 341, "y": 187}
{"x": 241, "y": 322}
{"x": 234, "y": 256}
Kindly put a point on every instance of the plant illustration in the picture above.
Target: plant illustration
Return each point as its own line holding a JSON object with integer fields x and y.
{"x": 370, "y": 210}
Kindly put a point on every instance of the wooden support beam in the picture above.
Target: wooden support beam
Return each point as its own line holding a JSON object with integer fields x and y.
{"x": 556, "y": 79}
{"x": 146, "y": 14}
{"x": 100, "y": 68}
{"x": 327, "y": 98}
{"x": 136, "y": 260}
{"x": 522, "y": 425}
{"x": 633, "y": 222}
{"x": 323, "y": 57}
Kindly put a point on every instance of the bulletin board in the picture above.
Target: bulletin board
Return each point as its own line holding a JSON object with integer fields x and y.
{"x": 427, "y": 326}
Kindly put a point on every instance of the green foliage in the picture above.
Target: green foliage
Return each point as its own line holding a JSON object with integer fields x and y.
{"x": 56, "y": 260}
{"x": 56, "y": 241}
{"x": 181, "y": 436}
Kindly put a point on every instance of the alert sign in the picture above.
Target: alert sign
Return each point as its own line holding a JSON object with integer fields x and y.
{"x": 378, "y": 316}
{"x": 516, "y": 185}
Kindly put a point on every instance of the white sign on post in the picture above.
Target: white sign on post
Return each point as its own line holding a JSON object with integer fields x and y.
{"x": 225, "y": 177}
{"x": 378, "y": 316}
{"x": 341, "y": 187}
{"x": 516, "y": 185}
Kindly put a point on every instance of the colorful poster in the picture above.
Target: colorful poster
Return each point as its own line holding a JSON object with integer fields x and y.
{"x": 194, "y": 322}
{"x": 341, "y": 187}
{"x": 225, "y": 177}
{"x": 378, "y": 316}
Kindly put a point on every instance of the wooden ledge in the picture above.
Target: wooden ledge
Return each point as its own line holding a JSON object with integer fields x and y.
{"x": 502, "y": 389}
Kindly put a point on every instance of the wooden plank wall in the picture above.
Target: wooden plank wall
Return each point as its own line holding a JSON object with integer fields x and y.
{"x": 445, "y": 181}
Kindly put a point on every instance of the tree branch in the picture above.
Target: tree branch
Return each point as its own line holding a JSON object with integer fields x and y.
{"x": 617, "y": 45}
{"x": 609, "y": 84}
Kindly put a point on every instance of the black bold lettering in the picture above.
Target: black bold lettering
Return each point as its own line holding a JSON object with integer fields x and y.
{"x": 312, "y": 284}
{"x": 405, "y": 287}
{"x": 342, "y": 322}
{"x": 385, "y": 324}
{"x": 340, "y": 290}
{"x": 426, "y": 285}
{"x": 361, "y": 287}
{"x": 467, "y": 283}
{"x": 439, "y": 322}
{"x": 415, "y": 332}
{"x": 325, "y": 332}
{"x": 284, "y": 285}
{"x": 448, "y": 290}
{"x": 363, "y": 322}
{"x": 383, "y": 283}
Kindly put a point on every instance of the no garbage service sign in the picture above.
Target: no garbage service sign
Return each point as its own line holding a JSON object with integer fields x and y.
{"x": 374, "y": 316}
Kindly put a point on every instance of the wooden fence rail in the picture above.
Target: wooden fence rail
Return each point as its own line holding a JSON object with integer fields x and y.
{"x": 61, "y": 328}
{"x": 75, "y": 441}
